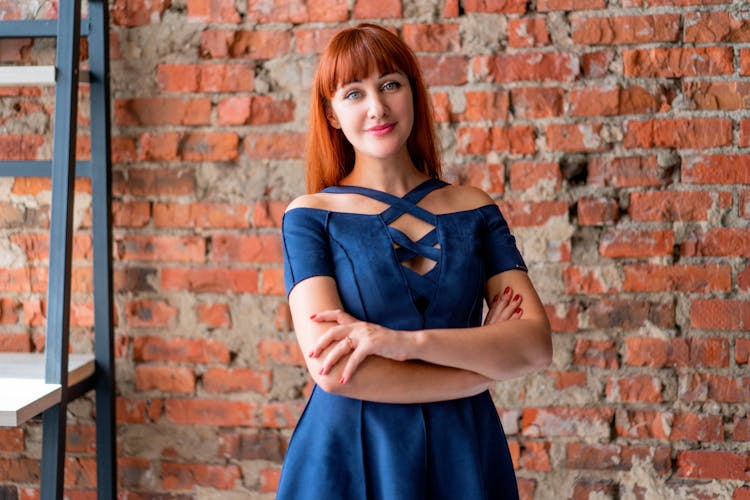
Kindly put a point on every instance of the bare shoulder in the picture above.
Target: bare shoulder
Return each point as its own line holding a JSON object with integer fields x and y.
{"x": 315, "y": 200}
{"x": 456, "y": 198}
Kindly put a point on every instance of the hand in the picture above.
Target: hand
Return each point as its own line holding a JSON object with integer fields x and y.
{"x": 356, "y": 338}
{"x": 504, "y": 307}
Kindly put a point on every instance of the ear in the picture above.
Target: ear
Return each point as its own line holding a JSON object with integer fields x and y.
{"x": 331, "y": 116}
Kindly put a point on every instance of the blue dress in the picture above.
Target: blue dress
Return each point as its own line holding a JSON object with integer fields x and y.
{"x": 344, "y": 448}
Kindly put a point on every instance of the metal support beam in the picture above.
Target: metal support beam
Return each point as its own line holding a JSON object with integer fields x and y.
{"x": 61, "y": 222}
{"x": 41, "y": 168}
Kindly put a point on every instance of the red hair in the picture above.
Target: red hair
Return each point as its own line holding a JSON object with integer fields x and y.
{"x": 354, "y": 54}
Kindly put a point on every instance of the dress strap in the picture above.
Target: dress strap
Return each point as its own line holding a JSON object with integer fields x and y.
{"x": 413, "y": 196}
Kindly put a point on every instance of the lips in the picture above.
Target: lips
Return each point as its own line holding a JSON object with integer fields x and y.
{"x": 381, "y": 129}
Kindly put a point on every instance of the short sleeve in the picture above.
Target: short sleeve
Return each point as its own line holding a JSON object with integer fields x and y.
{"x": 305, "y": 244}
{"x": 498, "y": 244}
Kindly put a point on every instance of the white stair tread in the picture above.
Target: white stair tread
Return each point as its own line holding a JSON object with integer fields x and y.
{"x": 27, "y": 75}
{"x": 23, "y": 392}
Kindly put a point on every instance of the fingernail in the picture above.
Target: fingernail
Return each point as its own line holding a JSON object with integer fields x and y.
{"x": 313, "y": 316}
{"x": 516, "y": 298}
{"x": 495, "y": 299}
{"x": 320, "y": 372}
{"x": 312, "y": 354}
{"x": 517, "y": 311}
{"x": 507, "y": 290}
{"x": 341, "y": 380}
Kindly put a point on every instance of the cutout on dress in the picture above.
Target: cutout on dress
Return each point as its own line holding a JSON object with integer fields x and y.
{"x": 414, "y": 229}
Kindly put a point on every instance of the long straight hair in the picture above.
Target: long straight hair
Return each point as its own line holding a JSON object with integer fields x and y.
{"x": 354, "y": 54}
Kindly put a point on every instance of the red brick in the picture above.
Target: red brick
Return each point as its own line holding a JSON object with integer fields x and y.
{"x": 537, "y": 102}
{"x": 19, "y": 470}
{"x": 563, "y": 317}
{"x": 741, "y": 494}
{"x": 536, "y": 67}
{"x": 548, "y": 5}
{"x": 596, "y": 64}
{"x": 160, "y": 147}
{"x": 597, "y": 211}
{"x": 162, "y": 111}
{"x": 532, "y": 214}
{"x": 181, "y": 476}
{"x": 528, "y": 32}
{"x": 658, "y": 353}
{"x": 80, "y": 471}
{"x": 744, "y": 62}
{"x": 227, "y": 380}
{"x": 230, "y": 77}
{"x": 527, "y": 175}
{"x": 35, "y": 185}
{"x": 36, "y": 245}
{"x": 709, "y": 353}
{"x": 246, "y": 248}
{"x": 150, "y": 313}
{"x": 269, "y": 480}
{"x": 214, "y": 412}
{"x": 138, "y": 12}
{"x": 744, "y": 205}
{"x": 606, "y": 313}
{"x": 282, "y": 320}
{"x": 713, "y": 387}
{"x": 642, "y": 424}
{"x": 592, "y": 456}
{"x": 606, "y": 101}
{"x": 727, "y": 242}
{"x": 489, "y": 177}
{"x": 590, "y": 281}
{"x": 277, "y": 351}
{"x": 728, "y": 96}
{"x": 706, "y": 464}
{"x": 312, "y": 41}
{"x": 281, "y": 415}
{"x": 124, "y": 150}
{"x": 150, "y": 183}
{"x": 34, "y": 312}
{"x": 655, "y": 206}
{"x": 9, "y": 311}
{"x": 678, "y": 62}
{"x": 212, "y": 11}
{"x": 432, "y": 37}
{"x": 484, "y": 140}
{"x": 716, "y": 169}
{"x": 273, "y": 281}
{"x": 535, "y": 456}
{"x": 210, "y": 146}
{"x": 130, "y": 214}
{"x": 567, "y": 422}
{"x": 221, "y": 44}
{"x": 268, "y": 213}
{"x": 20, "y": 146}
{"x": 627, "y": 243}
{"x": 682, "y": 133}
{"x": 210, "y": 280}
{"x": 625, "y": 29}
{"x": 214, "y": 315}
{"x": 254, "y": 110}
{"x": 365, "y": 9}
{"x": 444, "y": 69}
{"x": 11, "y": 440}
{"x": 180, "y": 350}
{"x": 161, "y": 248}
{"x": 741, "y": 429}
{"x": 707, "y": 27}
{"x": 742, "y": 351}
{"x": 260, "y": 445}
{"x": 577, "y": 137}
{"x": 717, "y": 314}
{"x": 276, "y": 146}
{"x": 697, "y": 427}
{"x": 138, "y": 411}
{"x": 563, "y": 380}
{"x": 597, "y": 353}
{"x": 135, "y": 473}
{"x": 164, "y": 378}
{"x": 201, "y": 214}
{"x": 495, "y": 6}
{"x": 744, "y": 140}
{"x": 702, "y": 278}
{"x": 11, "y": 215}
{"x": 486, "y": 105}
{"x": 631, "y": 171}
{"x": 634, "y": 389}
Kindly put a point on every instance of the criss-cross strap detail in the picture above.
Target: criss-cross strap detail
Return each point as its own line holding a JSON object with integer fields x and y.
{"x": 418, "y": 256}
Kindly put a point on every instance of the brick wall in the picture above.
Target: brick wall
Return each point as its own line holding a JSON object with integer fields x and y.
{"x": 613, "y": 134}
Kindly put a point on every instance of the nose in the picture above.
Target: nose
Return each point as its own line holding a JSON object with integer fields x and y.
{"x": 377, "y": 107}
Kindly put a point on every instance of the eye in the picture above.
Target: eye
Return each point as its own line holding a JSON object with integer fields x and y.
{"x": 392, "y": 85}
{"x": 352, "y": 95}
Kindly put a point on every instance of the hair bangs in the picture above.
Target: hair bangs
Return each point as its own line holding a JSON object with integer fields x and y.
{"x": 356, "y": 54}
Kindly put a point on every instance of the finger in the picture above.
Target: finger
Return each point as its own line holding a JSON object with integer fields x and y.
{"x": 333, "y": 334}
{"x": 333, "y": 315}
{"x": 499, "y": 311}
{"x": 358, "y": 355}
{"x": 335, "y": 355}
{"x": 517, "y": 314}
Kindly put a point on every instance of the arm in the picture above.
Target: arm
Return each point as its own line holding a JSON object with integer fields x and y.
{"x": 378, "y": 378}
{"x": 497, "y": 350}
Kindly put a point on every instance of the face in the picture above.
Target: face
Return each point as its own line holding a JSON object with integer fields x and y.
{"x": 375, "y": 114}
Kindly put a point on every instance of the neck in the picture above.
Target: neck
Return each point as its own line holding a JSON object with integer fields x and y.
{"x": 397, "y": 175}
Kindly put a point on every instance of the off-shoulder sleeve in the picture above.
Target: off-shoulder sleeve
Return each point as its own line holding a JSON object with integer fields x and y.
{"x": 305, "y": 243}
{"x": 498, "y": 244}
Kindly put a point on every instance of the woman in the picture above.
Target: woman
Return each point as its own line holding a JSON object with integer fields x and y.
{"x": 387, "y": 269}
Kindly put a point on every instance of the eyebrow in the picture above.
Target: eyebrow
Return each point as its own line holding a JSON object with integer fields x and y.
{"x": 381, "y": 76}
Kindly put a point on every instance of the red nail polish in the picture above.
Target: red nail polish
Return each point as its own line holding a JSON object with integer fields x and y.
{"x": 312, "y": 354}
{"x": 507, "y": 290}
{"x": 313, "y": 316}
{"x": 495, "y": 299}
{"x": 517, "y": 311}
{"x": 341, "y": 380}
{"x": 516, "y": 298}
